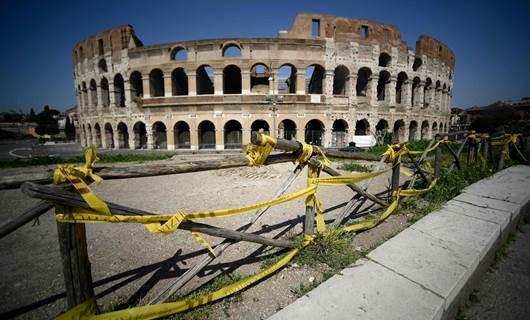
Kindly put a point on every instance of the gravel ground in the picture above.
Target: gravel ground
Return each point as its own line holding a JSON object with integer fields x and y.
{"x": 129, "y": 264}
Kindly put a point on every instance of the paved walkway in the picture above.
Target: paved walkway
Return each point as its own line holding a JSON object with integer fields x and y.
{"x": 427, "y": 270}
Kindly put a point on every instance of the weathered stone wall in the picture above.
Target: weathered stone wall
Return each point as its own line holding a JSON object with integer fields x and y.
{"x": 123, "y": 86}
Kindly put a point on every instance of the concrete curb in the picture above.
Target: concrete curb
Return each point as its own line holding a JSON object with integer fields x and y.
{"x": 429, "y": 269}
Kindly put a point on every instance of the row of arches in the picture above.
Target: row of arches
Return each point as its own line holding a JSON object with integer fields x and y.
{"x": 381, "y": 87}
{"x": 139, "y": 135}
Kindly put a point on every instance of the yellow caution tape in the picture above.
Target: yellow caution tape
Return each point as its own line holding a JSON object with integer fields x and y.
{"x": 307, "y": 152}
{"x": 203, "y": 242}
{"x": 257, "y": 155}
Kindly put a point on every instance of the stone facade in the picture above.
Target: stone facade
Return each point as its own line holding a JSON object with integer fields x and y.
{"x": 324, "y": 81}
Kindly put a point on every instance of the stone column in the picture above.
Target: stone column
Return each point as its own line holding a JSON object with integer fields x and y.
{"x": 437, "y": 99}
{"x": 128, "y": 96}
{"x": 103, "y": 138}
{"x": 132, "y": 138}
{"x": 245, "y": 82}
{"x": 406, "y": 94}
{"x": 351, "y": 90}
{"x": 327, "y": 138}
{"x": 99, "y": 97}
{"x": 246, "y": 136}
{"x": 90, "y": 102}
{"x": 192, "y": 84}
{"x": 150, "y": 137}
{"x": 219, "y": 138}
{"x": 328, "y": 83}
{"x": 390, "y": 91}
{"x": 371, "y": 90}
{"x": 112, "y": 97}
{"x": 194, "y": 137}
{"x": 82, "y": 137}
{"x": 419, "y": 95}
{"x": 170, "y": 138}
{"x": 168, "y": 92}
{"x": 146, "y": 87}
{"x": 300, "y": 81}
{"x": 431, "y": 97}
{"x": 218, "y": 81}
{"x": 273, "y": 84}
{"x": 116, "y": 137}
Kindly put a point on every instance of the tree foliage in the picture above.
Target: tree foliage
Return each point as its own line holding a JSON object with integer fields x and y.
{"x": 47, "y": 122}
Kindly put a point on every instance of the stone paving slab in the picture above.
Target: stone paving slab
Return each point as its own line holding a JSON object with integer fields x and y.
{"x": 468, "y": 232}
{"x": 502, "y": 218}
{"x": 365, "y": 291}
{"x": 509, "y": 185}
{"x": 479, "y": 201}
{"x": 441, "y": 266}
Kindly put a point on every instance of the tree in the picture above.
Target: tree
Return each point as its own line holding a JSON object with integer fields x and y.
{"x": 497, "y": 118}
{"x": 69, "y": 129}
{"x": 46, "y": 122}
{"x": 32, "y": 116}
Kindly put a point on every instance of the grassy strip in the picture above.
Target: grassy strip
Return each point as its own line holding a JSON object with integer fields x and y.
{"x": 354, "y": 167}
{"x": 104, "y": 158}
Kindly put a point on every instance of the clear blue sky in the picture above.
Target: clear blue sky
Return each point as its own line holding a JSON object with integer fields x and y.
{"x": 490, "y": 40}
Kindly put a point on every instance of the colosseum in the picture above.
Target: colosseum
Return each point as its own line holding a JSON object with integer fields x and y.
{"x": 328, "y": 81}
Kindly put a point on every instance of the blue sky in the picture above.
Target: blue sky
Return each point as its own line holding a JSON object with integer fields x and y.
{"x": 489, "y": 38}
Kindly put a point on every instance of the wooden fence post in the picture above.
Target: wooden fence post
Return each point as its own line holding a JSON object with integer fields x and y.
{"x": 438, "y": 161}
{"x": 395, "y": 179}
{"x": 76, "y": 266}
{"x": 505, "y": 149}
{"x": 485, "y": 152}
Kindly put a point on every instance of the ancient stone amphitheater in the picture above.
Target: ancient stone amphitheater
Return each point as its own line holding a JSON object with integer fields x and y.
{"x": 328, "y": 80}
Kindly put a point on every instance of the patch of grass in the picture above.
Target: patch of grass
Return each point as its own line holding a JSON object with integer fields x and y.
{"x": 104, "y": 158}
{"x": 354, "y": 167}
{"x": 334, "y": 251}
{"x": 304, "y": 288}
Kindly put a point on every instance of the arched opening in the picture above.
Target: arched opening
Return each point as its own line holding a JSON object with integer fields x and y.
{"x": 341, "y": 80}
{"x": 259, "y": 79}
{"x": 287, "y": 79}
{"x": 384, "y": 59}
{"x": 339, "y": 133}
{"x": 315, "y": 73}
{"x": 233, "y": 134}
{"x": 287, "y": 129}
{"x": 179, "y": 54}
{"x": 105, "y": 96}
{"x": 179, "y": 82}
{"x": 181, "y": 132}
{"x": 232, "y": 80}
{"x": 381, "y": 130}
{"x": 400, "y": 86}
{"x": 415, "y": 93}
{"x": 314, "y": 132}
{"x": 231, "y": 50}
{"x": 137, "y": 88}
{"x": 413, "y": 131}
{"x": 93, "y": 92}
{"x": 399, "y": 131}
{"x": 156, "y": 83}
{"x": 109, "y": 136}
{"x": 424, "y": 130}
{"x": 259, "y": 124}
{"x": 204, "y": 80}
{"x": 363, "y": 78}
{"x": 123, "y": 136}
{"x": 97, "y": 135}
{"x": 382, "y": 84}
{"x": 362, "y": 127}
{"x": 102, "y": 65}
{"x": 119, "y": 91}
{"x": 206, "y": 133}
{"x": 445, "y": 128}
{"x": 159, "y": 135}
{"x": 434, "y": 130}
{"x": 417, "y": 64}
{"x": 140, "y": 135}
{"x": 427, "y": 93}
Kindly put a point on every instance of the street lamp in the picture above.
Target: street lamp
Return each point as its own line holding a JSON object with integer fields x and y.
{"x": 274, "y": 99}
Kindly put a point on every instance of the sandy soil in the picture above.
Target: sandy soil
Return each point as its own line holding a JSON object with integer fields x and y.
{"x": 129, "y": 264}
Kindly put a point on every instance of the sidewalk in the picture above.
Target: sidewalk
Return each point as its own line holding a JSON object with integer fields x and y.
{"x": 428, "y": 270}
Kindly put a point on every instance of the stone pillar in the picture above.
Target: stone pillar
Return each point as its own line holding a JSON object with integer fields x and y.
{"x": 430, "y": 97}
{"x": 132, "y": 138}
{"x": 437, "y": 98}
{"x": 328, "y": 83}
{"x": 112, "y": 97}
{"x": 351, "y": 90}
{"x": 192, "y": 84}
{"x": 82, "y": 137}
{"x": 219, "y": 138}
{"x": 390, "y": 91}
{"x": 218, "y": 81}
{"x": 116, "y": 137}
{"x": 170, "y": 138}
{"x": 128, "y": 96}
{"x": 327, "y": 138}
{"x": 406, "y": 94}
{"x": 146, "y": 87}
{"x": 300, "y": 81}
{"x": 150, "y": 137}
{"x": 103, "y": 138}
{"x": 245, "y": 82}
{"x": 91, "y": 103}
{"x": 246, "y": 136}
{"x": 371, "y": 90}
{"x": 194, "y": 138}
{"x": 168, "y": 92}
{"x": 273, "y": 85}
{"x": 99, "y": 97}
{"x": 418, "y": 96}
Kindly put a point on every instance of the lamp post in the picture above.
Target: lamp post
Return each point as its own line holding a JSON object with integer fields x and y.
{"x": 274, "y": 99}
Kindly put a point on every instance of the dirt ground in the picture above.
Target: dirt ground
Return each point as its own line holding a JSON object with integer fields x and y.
{"x": 130, "y": 265}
